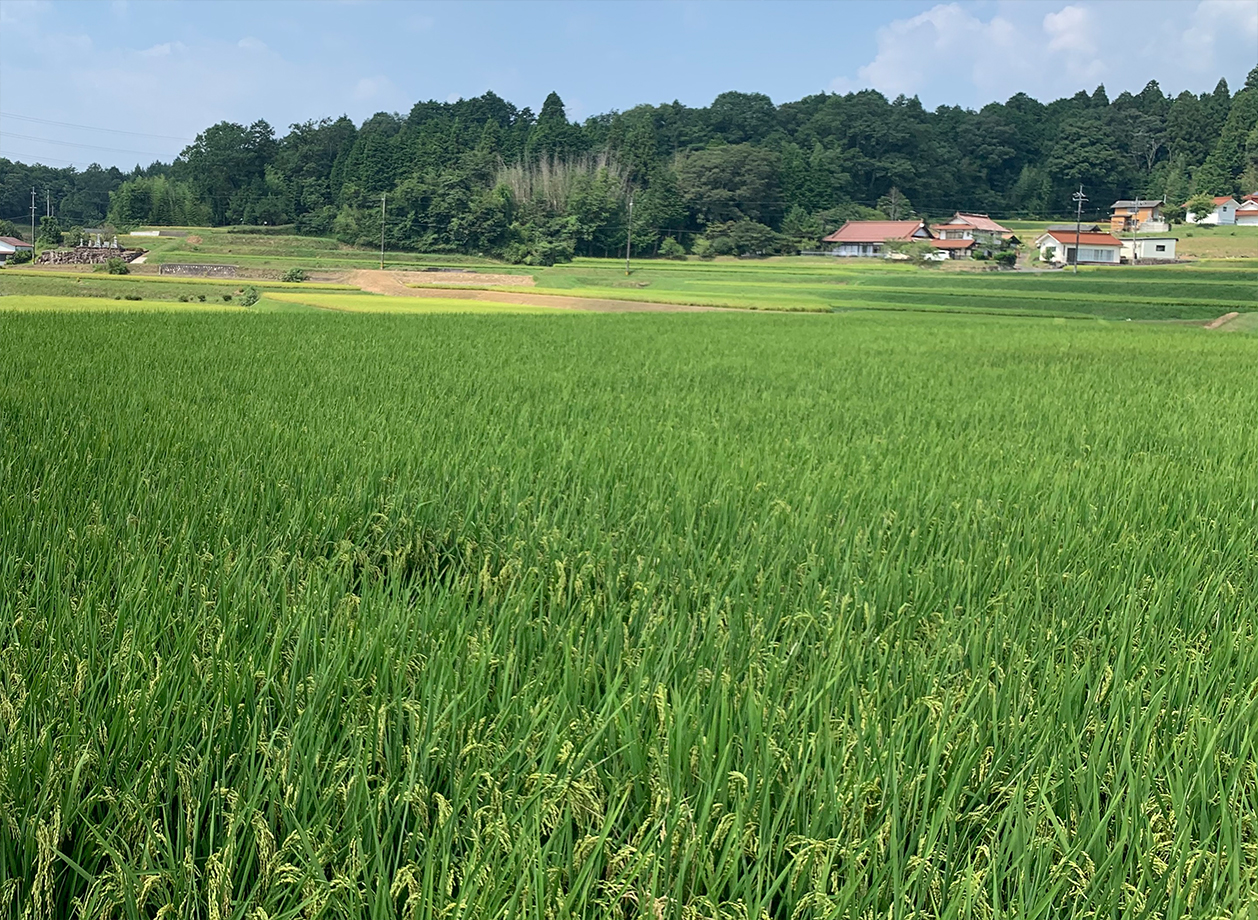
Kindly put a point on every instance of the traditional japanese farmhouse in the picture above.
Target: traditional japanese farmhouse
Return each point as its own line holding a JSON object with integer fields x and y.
{"x": 866, "y": 237}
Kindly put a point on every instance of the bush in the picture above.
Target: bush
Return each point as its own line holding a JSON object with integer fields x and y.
{"x": 227, "y": 298}
{"x": 100, "y": 268}
{"x": 1007, "y": 258}
{"x": 295, "y": 275}
{"x": 21, "y": 257}
{"x": 703, "y": 249}
{"x": 115, "y": 266}
{"x": 671, "y": 249}
{"x": 249, "y": 297}
{"x": 132, "y": 297}
{"x": 201, "y": 297}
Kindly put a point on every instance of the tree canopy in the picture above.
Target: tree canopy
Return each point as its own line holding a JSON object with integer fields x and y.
{"x": 483, "y": 176}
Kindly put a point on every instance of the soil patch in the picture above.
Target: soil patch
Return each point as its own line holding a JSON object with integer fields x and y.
{"x": 477, "y": 279}
{"x": 387, "y": 282}
{"x": 1222, "y": 320}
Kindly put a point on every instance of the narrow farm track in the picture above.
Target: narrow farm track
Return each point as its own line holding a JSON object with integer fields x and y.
{"x": 387, "y": 282}
{"x": 1222, "y": 320}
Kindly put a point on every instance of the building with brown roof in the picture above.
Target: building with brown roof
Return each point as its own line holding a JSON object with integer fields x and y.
{"x": 1247, "y": 211}
{"x": 988, "y": 235}
{"x": 11, "y": 244}
{"x": 867, "y": 237}
{"x": 1141, "y": 215}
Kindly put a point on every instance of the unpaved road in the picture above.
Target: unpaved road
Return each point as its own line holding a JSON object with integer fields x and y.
{"x": 1222, "y": 320}
{"x": 387, "y": 282}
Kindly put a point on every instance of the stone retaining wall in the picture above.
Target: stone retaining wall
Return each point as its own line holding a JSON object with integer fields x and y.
{"x": 197, "y": 271}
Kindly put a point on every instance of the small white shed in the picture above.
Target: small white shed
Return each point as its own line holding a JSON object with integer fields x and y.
{"x": 1151, "y": 248}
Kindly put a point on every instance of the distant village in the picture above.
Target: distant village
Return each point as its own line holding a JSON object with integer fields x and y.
{"x": 967, "y": 236}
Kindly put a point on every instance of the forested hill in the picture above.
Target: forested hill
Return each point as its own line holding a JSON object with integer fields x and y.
{"x": 482, "y": 176}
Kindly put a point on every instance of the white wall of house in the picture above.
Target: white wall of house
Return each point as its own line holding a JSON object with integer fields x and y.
{"x": 1151, "y": 248}
{"x": 1247, "y": 217}
{"x": 1088, "y": 255}
{"x": 1224, "y": 214}
{"x": 854, "y": 250}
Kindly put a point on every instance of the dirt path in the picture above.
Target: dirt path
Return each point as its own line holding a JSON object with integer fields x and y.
{"x": 1222, "y": 320}
{"x": 387, "y": 282}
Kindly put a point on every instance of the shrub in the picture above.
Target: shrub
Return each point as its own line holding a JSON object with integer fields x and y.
{"x": 295, "y": 275}
{"x": 227, "y": 298}
{"x": 201, "y": 297}
{"x": 703, "y": 249}
{"x": 671, "y": 249}
{"x": 183, "y": 298}
{"x": 115, "y": 266}
{"x": 249, "y": 297}
{"x": 132, "y": 297}
{"x": 1007, "y": 258}
{"x": 21, "y": 257}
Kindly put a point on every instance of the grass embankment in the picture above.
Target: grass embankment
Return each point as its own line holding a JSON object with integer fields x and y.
{"x": 626, "y": 616}
{"x": 276, "y": 252}
{"x": 43, "y": 283}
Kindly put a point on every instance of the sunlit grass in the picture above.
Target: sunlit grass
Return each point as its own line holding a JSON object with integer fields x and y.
{"x": 44, "y": 303}
{"x": 380, "y": 303}
{"x": 632, "y": 616}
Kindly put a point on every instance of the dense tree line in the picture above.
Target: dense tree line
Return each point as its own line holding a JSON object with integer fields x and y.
{"x": 741, "y": 175}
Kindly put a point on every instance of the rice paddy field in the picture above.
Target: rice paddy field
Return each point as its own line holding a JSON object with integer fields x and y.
{"x": 877, "y": 613}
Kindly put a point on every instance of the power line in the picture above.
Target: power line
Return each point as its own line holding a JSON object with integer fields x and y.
{"x": 37, "y": 158}
{"x": 48, "y": 140}
{"x": 66, "y": 124}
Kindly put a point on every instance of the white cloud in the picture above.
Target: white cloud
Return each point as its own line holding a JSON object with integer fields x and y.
{"x": 165, "y": 49}
{"x": 955, "y": 52}
{"x": 1216, "y": 22}
{"x": 1071, "y": 30}
{"x": 249, "y": 43}
{"x": 914, "y": 53}
{"x": 372, "y": 87}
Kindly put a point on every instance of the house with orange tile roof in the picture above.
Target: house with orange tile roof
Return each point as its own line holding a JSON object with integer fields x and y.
{"x": 1065, "y": 247}
{"x": 987, "y": 235}
{"x": 1224, "y": 212}
{"x": 867, "y": 237}
{"x": 1247, "y": 211}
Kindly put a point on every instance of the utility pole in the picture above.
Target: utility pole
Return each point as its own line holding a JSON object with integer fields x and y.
{"x": 629, "y": 234}
{"x": 32, "y": 217}
{"x": 47, "y": 203}
{"x": 1079, "y": 198}
{"x": 382, "y": 197}
{"x": 1135, "y": 225}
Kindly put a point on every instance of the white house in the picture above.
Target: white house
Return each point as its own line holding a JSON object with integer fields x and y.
{"x": 10, "y": 245}
{"x": 1058, "y": 247}
{"x": 1151, "y": 248}
{"x": 1247, "y": 211}
{"x": 1224, "y": 212}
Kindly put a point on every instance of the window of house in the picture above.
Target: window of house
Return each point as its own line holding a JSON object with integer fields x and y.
{"x": 1160, "y": 248}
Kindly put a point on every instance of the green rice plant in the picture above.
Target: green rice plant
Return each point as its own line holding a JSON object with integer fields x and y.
{"x": 626, "y": 616}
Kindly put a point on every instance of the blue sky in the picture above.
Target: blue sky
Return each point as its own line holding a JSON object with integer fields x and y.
{"x": 165, "y": 70}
